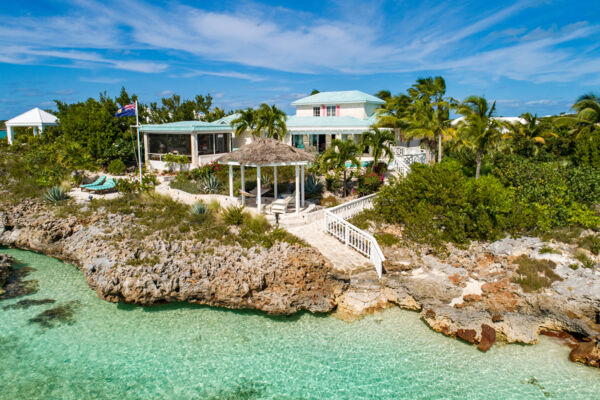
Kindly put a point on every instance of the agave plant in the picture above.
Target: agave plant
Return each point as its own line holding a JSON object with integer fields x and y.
{"x": 56, "y": 194}
{"x": 313, "y": 186}
{"x": 199, "y": 209}
{"x": 209, "y": 184}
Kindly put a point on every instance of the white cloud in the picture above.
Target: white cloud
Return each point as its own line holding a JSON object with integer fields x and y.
{"x": 225, "y": 74}
{"x": 475, "y": 44}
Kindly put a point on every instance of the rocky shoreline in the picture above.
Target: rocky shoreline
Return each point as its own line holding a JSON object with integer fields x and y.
{"x": 469, "y": 294}
{"x": 284, "y": 279}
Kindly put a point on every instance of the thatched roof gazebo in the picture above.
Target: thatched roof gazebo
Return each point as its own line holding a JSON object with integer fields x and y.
{"x": 266, "y": 152}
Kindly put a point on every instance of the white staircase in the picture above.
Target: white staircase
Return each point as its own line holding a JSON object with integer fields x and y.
{"x": 335, "y": 223}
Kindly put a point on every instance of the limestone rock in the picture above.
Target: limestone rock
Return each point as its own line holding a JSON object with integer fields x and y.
{"x": 488, "y": 337}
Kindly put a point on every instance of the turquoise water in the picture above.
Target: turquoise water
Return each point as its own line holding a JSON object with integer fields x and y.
{"x": 179, "y": 351}
{"x": 2, "y": 134}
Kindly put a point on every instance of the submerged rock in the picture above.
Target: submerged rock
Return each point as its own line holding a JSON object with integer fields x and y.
{"x": 24, "y": 304}
{"x": 53, "y": 317}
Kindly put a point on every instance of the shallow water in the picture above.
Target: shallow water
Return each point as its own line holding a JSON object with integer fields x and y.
{"x": 182, "y": 351}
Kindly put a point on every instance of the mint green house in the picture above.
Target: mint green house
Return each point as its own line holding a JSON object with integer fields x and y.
{"x": 319, "y": 119}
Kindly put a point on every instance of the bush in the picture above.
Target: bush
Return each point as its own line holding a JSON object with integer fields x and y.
{"x": 439, "y": 203}
{"x": 127, "y": 186}
{"x": 590, "y": 242}
{"x": 368, "y": 183}
{"x": 584, "y": 259}
{"x": 173, "y": 160}
{"x": 233, "y": 215}
{"x": 116, "y": 167}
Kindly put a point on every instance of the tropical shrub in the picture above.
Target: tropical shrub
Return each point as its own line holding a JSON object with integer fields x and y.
{"x": 56, "y": 194}
{"x": 175, "y": 160}
{"x": 209, "y": 184}
{"x": 368, "y": 183}
{"x": 439, "y": 203}
{"x": 116, "y": 167}
{"x": 127, "y": 186}
{"x": 233, "y": 215}
{"x": 199, "y": 210}
{"x": 313, "y": 187}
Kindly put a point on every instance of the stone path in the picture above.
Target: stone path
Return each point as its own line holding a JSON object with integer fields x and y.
{"x": 343, "y": 258}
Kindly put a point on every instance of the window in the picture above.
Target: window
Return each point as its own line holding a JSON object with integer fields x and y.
{"x": 316, "y": 111}
{"x": 331, "y": 111}
{"x": 163, "y": 144}
{"x": 205, "y": 144}
{"x": 298, "y": 141}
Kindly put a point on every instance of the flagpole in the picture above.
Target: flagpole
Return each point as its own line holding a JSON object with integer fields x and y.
{"x": 137, "y": 126}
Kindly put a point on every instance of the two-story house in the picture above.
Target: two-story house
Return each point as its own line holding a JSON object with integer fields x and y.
{"x": 325, "y": 116}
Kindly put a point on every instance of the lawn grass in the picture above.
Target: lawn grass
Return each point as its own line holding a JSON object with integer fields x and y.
{"x": 535, "y": 274}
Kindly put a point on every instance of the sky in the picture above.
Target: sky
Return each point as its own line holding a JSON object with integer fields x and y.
{"x": 533, "y": 56}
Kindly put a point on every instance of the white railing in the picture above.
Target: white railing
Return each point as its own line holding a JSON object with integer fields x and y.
{"x": 336, "y": 225}
{"x": 405, "y": 156}
{"x": 400, "y": 166}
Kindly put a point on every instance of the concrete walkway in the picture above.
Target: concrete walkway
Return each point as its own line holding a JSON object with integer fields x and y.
{"x": 343, "y": 258}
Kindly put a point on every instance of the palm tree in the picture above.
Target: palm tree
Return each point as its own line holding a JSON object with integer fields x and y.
{"x": 429, "y": 114}
{"x": 479, "y": 130}
{"x": 379, "y": 141}
{"x": 272, "y": 120}
{"x": 246, "y": 121}
{"x": 393, "y": 113}
{"x": 587, "y": 119}
{"x": 336, "y": 156}
{"x": 532, "y": 132}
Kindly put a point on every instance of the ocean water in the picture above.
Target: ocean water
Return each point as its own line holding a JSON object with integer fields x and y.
{"x": 2, "y": 134}
{"x": 180, "y": 351}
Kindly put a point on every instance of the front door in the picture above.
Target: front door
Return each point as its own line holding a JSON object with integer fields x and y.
{"x": 322, "y": 144}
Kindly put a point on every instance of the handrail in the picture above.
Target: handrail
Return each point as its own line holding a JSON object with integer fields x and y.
{"x": 336, "y": 225}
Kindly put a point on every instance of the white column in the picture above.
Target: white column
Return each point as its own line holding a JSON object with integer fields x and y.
{"x": 35, "y": 130}
{"x": 243, "y": 184}
{"x": 231, "y": 181}
{"x": 9, "y": 134}
{"x": 297, "y": 189}
{"x": 146, "y": 140}
{"x": 258, "y": 190}
{"x": 194, "y": 146}
{"x": 302, "y": 184}
{"x": 275, "y": 180}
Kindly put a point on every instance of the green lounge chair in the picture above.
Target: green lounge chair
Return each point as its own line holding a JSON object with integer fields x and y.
{"x": 97, "y": 182}
{"x": 109, "y": 184}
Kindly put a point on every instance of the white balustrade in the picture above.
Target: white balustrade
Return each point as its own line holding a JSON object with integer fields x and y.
{"x": 336, "y": 225}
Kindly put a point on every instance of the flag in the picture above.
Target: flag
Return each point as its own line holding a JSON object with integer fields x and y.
{"x": 126, "y": 111}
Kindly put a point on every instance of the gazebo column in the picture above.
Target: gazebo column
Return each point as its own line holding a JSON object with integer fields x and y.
{"x": 9, "y": 134}
{"x": 194, "y": 149}
{"x": 302, "y": 185}
{"x": 35, "y": 130}
{"x": 297, "y": 189}
{"x": 259, "y": 190}
{"x": 275, "y": 181}
{"x": 243, "y": 184}
{"x": 231, "y": 181}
